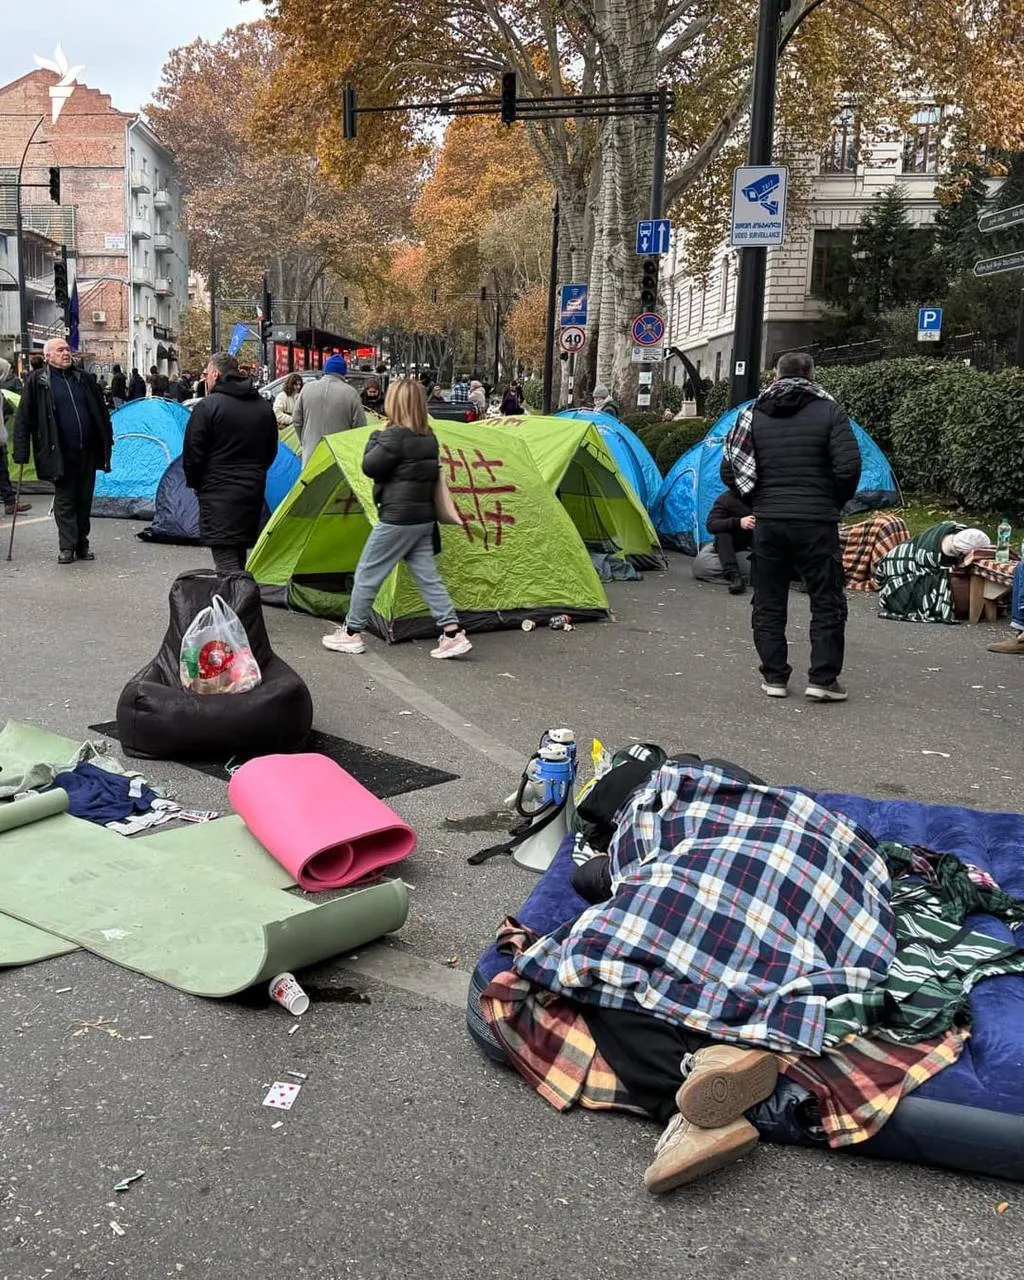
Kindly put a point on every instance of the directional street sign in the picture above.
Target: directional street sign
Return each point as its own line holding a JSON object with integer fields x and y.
{"x": 653, "y": 237}
{"x": 572, "y": 338}
{"x": 573, "y": 305}
{"x": 929, "y": 324}
{"x": 993, "y": 266}
{"x": 759, "y": 206}
{"x": 1001, "y": 218}
{"x": 648, "y": 329}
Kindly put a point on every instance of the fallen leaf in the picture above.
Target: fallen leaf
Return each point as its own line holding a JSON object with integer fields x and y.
{"x": 1002, "y": 1206}
{"x": 452, "y": 961}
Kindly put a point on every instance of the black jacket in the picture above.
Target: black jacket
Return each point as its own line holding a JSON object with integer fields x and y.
{"x": 404, "y": 468}
{"x": 725, "y": 517}
{"x": 35, "y": 426}
{"x": 119, "y": 386}
{"x": 808, "y": 462}
{"x": 230, "y": 443}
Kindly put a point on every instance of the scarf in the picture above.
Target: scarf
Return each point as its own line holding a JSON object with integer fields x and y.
{"x": 739, "y": 443}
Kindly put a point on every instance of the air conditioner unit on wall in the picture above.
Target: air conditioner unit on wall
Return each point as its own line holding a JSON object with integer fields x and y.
{"x": 99, "y": 317}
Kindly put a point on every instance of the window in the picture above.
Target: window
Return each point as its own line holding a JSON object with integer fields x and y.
{"x": 841, "y": 153}
{"x": 921, "y": 146}
{"x": 724, "y": 300}
{"x": 830, "y": 264}
{"x": 718, "y": 366}
{"x": 703, "y": 305}
{"x": 689, "y": 310}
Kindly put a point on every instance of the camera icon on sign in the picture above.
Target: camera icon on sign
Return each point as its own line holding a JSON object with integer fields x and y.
{"x": 759, "y": 192}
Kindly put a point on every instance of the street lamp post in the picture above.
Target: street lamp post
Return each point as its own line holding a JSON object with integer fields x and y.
{"x": 753, "y": 263}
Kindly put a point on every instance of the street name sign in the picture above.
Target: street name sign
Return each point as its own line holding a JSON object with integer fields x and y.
{"x": 994, "y": 266}
{"x": 653, "y": 236}
{"x": 759, "y": 206}
{"x": 1001, "y": 218}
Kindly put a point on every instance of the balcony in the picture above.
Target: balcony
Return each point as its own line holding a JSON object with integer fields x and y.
{"x": 163, "y": 287}
{"x": 162, "y": 242}
{"x": 141, "y": 229}
{"x": 39, "y": 286}
{"x": 162, "y": 200}
{"x": 143, "y": 276}
{"x": 140, "y": 181}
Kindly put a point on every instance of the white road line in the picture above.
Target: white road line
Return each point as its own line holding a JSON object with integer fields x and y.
{"x": 410, "y": 972}
{"x": 454, "y": 722}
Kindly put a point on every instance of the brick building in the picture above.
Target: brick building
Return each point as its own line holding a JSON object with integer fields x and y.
{"x": 119, "y": 218}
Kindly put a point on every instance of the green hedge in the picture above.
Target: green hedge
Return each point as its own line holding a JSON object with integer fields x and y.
{"x": 667, "y": 441}
{"x": 872, "y": 393}
{"x": 961, "y": 435}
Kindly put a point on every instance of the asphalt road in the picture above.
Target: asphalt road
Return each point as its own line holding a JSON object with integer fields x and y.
{"x": 406, "y": 1153}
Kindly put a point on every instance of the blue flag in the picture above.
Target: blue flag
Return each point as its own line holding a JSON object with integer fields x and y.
{"x": 73, "y": 339}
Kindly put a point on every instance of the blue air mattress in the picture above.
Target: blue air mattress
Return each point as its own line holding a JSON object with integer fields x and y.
{"x": 970, "y": 1116}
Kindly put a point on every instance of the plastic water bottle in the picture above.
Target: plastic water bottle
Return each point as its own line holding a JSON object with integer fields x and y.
{"x": 1003, "y": 541}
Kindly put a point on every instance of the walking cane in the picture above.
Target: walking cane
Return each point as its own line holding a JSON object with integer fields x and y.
{"x": 14, "y": 517}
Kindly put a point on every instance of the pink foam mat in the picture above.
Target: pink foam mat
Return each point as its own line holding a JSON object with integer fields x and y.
{"x": 320, "y": 824}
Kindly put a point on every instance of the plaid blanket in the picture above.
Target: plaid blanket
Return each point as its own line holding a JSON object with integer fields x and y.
{"x": 913, "y": 579}
{"x": 739, "y": 450}
{"x": 737, "y": 910}
{"x": 859, "y": 1082}
{"x": 547, "y": 1039}
{"x": 864, "y": 544}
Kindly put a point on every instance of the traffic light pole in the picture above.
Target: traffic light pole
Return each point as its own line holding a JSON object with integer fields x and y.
{"x": 745, "y": 379}
{"x": 549, "y": 335}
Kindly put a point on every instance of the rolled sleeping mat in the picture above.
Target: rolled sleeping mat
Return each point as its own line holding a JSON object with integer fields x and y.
{"x": 321, "y": 825}
{"x": 33, "y": 808}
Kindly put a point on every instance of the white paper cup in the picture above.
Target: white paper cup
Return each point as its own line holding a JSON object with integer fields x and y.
{"x": 528, "y": 624}
{"x": 286, "y": 991}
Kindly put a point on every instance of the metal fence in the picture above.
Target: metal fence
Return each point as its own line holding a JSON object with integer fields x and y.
{"x": 965, "y": 348}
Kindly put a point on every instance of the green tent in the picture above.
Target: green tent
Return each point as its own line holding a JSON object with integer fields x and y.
{"x": 575, "y": 461}
{"x": 28, "y": 476}
{"x": 290, "y": 437}
{"x": 519, "y": 555}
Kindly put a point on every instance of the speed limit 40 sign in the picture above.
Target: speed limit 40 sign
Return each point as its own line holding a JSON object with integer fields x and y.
{"x": 573, "y": 338}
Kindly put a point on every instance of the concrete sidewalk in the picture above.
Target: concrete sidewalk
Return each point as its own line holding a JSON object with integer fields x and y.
{"x": 406, "y": 1153}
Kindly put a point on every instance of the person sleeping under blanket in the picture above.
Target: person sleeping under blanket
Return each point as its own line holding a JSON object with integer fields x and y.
{"x": 913, "y": 579}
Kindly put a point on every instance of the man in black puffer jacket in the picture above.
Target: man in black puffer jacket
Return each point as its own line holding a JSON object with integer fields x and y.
{"x": 794, "y": 457}
{"x": 230, "y": 443}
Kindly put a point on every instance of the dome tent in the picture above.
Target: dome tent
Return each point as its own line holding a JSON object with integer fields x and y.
{"x": 148, "y": 435}
{"x": 688, "y": 492}
{"x": 629, "y": 451}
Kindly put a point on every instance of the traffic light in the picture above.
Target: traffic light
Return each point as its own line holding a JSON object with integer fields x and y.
{"x": 55, "y": 184}
{"x": 60, "y": 283}
{"x": 649, "y": 284}
{"x": 348, "y": 113}
{"x": 508, "y": 97}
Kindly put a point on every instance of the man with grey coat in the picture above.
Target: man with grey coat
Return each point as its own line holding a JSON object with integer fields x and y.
{"x": 327, "y": 405}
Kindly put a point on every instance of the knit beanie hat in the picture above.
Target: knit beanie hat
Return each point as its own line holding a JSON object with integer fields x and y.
{"x": 335, "y": 364}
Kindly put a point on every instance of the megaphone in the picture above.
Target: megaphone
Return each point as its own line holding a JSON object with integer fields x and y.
{"x": 545, "y": 800}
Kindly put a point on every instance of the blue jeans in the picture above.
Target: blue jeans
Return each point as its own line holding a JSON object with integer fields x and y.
{"x": 1017, "y": 611}
{"x": 387, "y": 546}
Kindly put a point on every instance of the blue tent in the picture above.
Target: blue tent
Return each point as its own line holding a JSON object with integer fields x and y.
{"x": 148, "y": 436}
{"x": 680, "y": 511}
{"x": 176, "y": 509}
{"x": 629, "y": 451}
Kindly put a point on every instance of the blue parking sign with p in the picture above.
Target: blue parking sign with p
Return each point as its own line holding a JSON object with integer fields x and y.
{"x": 929, "y": 319}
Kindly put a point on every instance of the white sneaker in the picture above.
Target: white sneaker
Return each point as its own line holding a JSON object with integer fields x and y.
{"x": 342, "y": 641}
{"x": 452, "y": 646}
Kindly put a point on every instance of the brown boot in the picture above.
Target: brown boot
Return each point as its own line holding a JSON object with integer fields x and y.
{"x": 685, "y": 1153}
{"x": 1013, "y": 644}
{"x": 723, "y": 1081}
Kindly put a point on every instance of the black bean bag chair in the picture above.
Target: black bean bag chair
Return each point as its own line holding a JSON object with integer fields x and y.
{"x": 159, "y": 720}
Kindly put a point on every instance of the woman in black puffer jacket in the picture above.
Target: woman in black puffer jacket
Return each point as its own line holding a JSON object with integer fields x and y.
{"x": 403, "y": 463}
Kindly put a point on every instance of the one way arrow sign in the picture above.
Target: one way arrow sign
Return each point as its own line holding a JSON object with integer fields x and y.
{"x": 653, "y": 237}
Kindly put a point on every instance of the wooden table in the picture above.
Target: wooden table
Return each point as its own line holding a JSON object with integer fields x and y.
{"x": 990, "y": 582}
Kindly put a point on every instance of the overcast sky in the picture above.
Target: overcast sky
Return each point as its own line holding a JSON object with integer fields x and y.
{"x": 123, "y": 43}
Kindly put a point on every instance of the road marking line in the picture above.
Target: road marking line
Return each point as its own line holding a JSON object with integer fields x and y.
{"x": 410, "y": 972}
{"x": 33, "y": 520}
{"x": 454, "y": 722}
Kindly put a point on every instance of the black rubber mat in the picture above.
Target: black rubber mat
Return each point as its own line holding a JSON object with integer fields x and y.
{"x": 383, "y": 774}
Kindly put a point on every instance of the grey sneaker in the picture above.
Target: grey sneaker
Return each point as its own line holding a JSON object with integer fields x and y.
{"x": 833, "y": 692}
{"x": 774, "y": 690}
